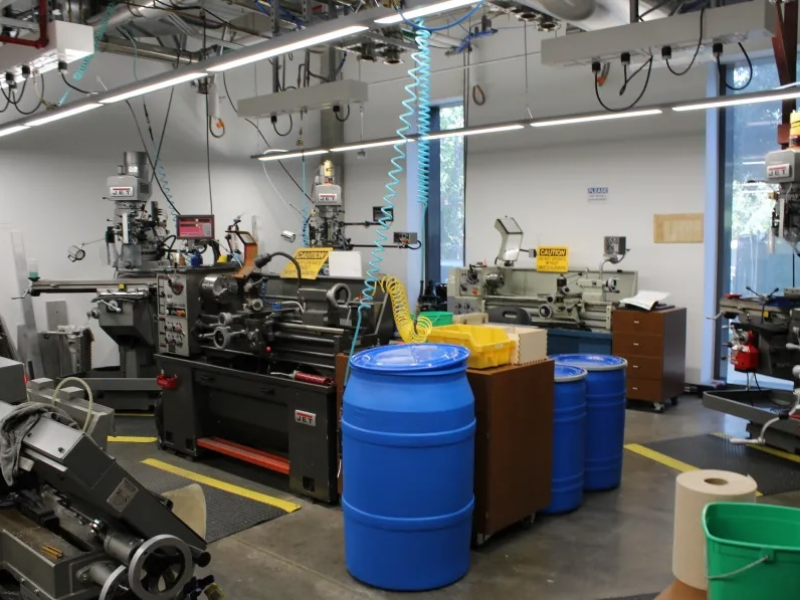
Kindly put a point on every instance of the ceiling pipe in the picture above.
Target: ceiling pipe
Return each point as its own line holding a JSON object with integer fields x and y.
{"x": 125, "y": 13}
{"x": 148, "y": 51}
{"x": 41, "y": 41}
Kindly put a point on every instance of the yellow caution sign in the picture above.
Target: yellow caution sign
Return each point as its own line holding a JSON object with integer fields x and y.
{"x": 311, "y": 262}
{"x": 552, "y": 259}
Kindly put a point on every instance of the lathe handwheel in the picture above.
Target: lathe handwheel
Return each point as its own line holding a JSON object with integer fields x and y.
{"x": 160, "y": 568}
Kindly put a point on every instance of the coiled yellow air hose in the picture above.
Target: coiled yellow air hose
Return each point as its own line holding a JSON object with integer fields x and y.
{"x": 412, "y": 333}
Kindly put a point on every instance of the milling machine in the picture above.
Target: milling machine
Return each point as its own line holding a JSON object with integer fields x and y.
{"x": 765, "y": 327}
{"x": 575, "y": 299}
{"x": 326, "y": 225}
{"x": 125, "y": 307}
{"x": 74, "y": 525}
{"x": 248, "y": 365}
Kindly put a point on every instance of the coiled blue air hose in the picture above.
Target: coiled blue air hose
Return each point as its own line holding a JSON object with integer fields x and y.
{"x": 417, "y": 99}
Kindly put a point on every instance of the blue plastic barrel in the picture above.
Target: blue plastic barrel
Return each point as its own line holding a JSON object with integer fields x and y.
{"x": 605, "y": 417}
{"x": 408, "y": 438}
{"x": 569, "y": 439}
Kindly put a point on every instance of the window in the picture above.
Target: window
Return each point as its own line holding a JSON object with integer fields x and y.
{"x": 445, "y": 223}
{"x": 750, "y": 133}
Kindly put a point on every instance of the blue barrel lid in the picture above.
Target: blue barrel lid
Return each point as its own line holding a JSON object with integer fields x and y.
{"x": 566, "y": 373}
{"x": 411, "y": 357}
{"x": 591, "y": 362}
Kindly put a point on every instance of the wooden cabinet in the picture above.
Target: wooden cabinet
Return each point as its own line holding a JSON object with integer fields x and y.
{"x": 654, "y": 344}
{"x": 513, "y": 444}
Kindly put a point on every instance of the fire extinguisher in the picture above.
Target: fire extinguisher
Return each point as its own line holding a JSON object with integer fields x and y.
{"x": 744, "y": 354}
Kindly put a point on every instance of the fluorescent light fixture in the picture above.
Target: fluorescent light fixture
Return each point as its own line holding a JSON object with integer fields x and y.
{"x": 754, "y": 98}
{"x": 63, "y": 114}
{"x": 431, "y": 9}
{"x": 10, "y": 130}
{"x": 146, "y": 89}
{"x": 286, "y": 48}
{"x": 366, "y": 145}
{"x": 465, "y": 132}
{"x": 599, "y": 117}
{"x": 750, "y": 163}
{"x": 286, "y": 155}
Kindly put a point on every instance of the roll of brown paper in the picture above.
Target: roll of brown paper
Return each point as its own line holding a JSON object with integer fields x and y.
{"x": 693, "y": 490}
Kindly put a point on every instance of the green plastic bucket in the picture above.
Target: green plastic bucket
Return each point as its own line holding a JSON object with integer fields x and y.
{"x": 438, "y": 317}
{"x": 753, "y": 551}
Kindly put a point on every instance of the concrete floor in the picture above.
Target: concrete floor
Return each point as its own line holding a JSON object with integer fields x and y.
{"x": 617, "y": 544}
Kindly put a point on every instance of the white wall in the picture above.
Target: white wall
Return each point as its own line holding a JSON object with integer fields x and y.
{"x": 652, "y": 165}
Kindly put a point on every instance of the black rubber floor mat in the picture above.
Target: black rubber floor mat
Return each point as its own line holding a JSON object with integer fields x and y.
{"x": 227, "y": 513}
{"x": 135, "y": 426}
{"x": 773, "y": 474}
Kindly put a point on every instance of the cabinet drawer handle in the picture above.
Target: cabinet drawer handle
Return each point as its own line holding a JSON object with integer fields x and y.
{"x": 636, "y": 322}
{"x": 207, "y": 378}
{"x": 268, "y": 391}
{"x": 635, "y": 366}
{"x": 636, "y": 344}
{"x": 635, "y": 389}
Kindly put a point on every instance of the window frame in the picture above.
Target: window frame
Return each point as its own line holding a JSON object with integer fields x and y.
{"x": 433, "y": 217}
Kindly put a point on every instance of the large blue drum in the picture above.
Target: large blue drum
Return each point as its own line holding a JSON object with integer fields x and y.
{"x": 569, "y": 439}
{"x": 605, "y": 417}
{"x": 408, "y": 437}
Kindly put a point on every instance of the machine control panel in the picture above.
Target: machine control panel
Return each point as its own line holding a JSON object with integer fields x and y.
{"x": 464, "y": 306}
{"x": 173, "y": 322}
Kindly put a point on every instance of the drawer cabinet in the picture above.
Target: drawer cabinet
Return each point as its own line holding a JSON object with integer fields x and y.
{"x": 654, "y": 344}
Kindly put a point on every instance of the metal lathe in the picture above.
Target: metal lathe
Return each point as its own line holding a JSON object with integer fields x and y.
{"x": 74, "y": 525}
{"x": 248, "y": 363}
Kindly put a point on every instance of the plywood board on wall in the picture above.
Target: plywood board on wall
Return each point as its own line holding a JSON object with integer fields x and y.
{"x": 686, "y": 228}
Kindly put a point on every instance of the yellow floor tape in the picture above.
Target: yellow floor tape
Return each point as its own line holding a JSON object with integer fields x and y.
{"x": 222, "y": 485}
{"x": 132, "y": 439}
{"x": 665, "y": 460}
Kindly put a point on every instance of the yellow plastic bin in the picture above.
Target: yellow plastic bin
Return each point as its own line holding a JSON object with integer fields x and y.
{"x": 488, "y": 346}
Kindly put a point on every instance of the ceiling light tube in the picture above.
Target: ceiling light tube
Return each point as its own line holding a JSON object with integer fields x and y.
{"x": 608, "y": 116}
{"x": 10, "y": 130}
{"x": 285, "y": 155}
{"x": 739, "y": 100}
{"x": 62, "y": 114}
{"x": 286, "y": 48}
{"x": 431, "y": 9}
{"x": 478, "y": 131}
{"x": 377, "y": 144}
{"x": 141, "y": 90}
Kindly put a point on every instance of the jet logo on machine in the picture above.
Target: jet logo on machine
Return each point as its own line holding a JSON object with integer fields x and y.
{"x": 122, "y": 192}
{"x": 779, "y": 171}
{"x": 305, "y": 418}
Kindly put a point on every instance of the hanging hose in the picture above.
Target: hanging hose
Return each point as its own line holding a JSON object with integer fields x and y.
{"x": 387, "y": 210}
{"x": 423, "y": 60}
{"x": 411, "y": 332}
{"x": 306, "y": 217}
{"x": 89, "y": 397}
{"x": 99, "y": 33}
